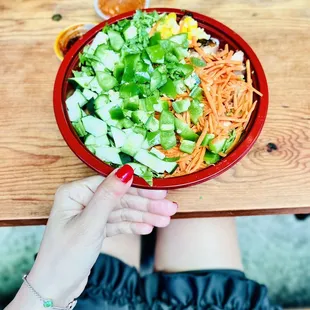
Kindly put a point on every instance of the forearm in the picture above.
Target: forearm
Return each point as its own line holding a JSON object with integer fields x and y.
{"x": 32, "y": 294}
{"x": 25, "y": 300}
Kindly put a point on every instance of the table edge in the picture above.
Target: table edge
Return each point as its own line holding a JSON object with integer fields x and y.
{"x": 181, "y": 215}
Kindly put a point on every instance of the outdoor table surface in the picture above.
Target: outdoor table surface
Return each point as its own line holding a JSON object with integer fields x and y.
{"x": 35, "y": 160}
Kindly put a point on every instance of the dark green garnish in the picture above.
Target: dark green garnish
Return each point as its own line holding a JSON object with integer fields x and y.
{"x": 56, "y": 17}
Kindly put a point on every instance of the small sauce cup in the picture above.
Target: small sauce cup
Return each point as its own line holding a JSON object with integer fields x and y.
{"x": 109, "y": 8}
{"x": 67, "y": 37}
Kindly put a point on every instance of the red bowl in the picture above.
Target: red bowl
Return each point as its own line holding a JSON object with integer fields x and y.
{"x": 217, "y": 30}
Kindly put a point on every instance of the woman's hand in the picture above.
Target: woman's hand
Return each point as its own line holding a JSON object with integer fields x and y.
{"x": 84, "y": 213}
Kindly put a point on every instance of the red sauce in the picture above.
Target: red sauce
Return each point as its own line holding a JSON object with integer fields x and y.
{"x": 115, "y": 7}
{"x": 70, "y": 44}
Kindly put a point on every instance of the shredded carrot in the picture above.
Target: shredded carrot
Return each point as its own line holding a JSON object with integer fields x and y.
{"x": 210, "y": 100}
{"x": 200, "y": 159}
{"x": 211, "y": 123}
{"x": 227, "y": 105}
{"x": 249, "y": 115}
{"x": 202, "y": 136}
{"x": 200, "y": 51}
{"x": 232, "y": 119}
{"x": 188, "y": 118}
{"x": 194, "y": 161}
{"x": 185, "y": 95}
{"x": 180, "y": 117}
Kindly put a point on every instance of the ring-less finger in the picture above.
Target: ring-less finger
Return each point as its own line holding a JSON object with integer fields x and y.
{"x": 113, "y": 229}
{"x": 161, "y": 207}
{"x": 131, "y": 215}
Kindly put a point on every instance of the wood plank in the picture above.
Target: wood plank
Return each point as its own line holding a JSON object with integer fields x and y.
{"x": 35, "y": 160}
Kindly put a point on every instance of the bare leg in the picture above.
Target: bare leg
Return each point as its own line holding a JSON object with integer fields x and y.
{"x": 198, "y": 244}
{"x": 124, "y": 247}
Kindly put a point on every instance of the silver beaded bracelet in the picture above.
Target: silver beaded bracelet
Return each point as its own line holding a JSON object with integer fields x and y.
{"x": 47, "y": 303}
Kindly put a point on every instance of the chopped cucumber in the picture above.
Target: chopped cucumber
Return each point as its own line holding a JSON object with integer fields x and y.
{"x": 79, "y": 128}
{"x": 127, "y": 123}
{"x": 100, "y": 38}
{"x": 98, "y": 66}
{"x": 143, "y": 172}
{"x": 108, "y": 58}
{"x": 99, "y": 53}
{"x": 109, "y": 154}
{"x": 128, "y": 131}
{"x": 94, "y": 126}
{"x": 196, "y": 93}
{"x": 152, "y": 124}
{"x": 104, "y": 111}
{"x": 119, "y": 136}
{"x": 101, "y": 141}
{"x": 97, "y": 141}
{"x": 157, "y": 153}
{"x": 125, "y": 158}
{"x": 74, "y": 110}
{"x": 140, "y": 130}
{"x": 130, "y": 33}
{"x": 138, "y": 169}
{"x": 91, "y": 149}
{"x": 115, "y": 123}
{"x": 101, "y": 101}
{"x": 116, "y": 40}
{"x": 83, "y": 81}
{"x": 146, "y": 158}
{"x": 181, "y": 106}
{"x": 161, "y": 105}
{"x": 90, "y": 140}
{"x": 78, "y": 97}
{"x": 180, "y": 86}
{"x": 152, "y": 139}
{"x": 131, "y": 104}
{"x": 181, "y": 39}
{"x": 192, "y": 81}
{"x": 106, "y": 80}
{"x": 95, "y": 87}
{"x": 132, "y": 144}
{"x": 88, "y": 94}
{"x": 139, "y": 117}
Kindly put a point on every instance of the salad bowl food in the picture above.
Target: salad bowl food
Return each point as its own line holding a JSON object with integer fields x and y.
{"x": 175, "y": 94}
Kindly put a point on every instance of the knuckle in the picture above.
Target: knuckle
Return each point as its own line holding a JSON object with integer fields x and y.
{"x": 125, "y": 203}
{"x": 127, "y": 228}
{"x": 64, "y": 188}
{"x": 123, "y": 214}
{"x": 106, "y": 194}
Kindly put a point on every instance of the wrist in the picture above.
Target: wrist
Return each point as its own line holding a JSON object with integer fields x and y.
{"x": 25, "y": 300}
{"x": 46, "y": 287}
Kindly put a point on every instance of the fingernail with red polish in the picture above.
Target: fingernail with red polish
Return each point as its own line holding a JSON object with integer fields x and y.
{"x": 176, "y": 204}
{"x": 124, "y": 173}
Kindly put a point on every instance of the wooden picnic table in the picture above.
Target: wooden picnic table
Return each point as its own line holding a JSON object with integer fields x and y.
{"x": 35, "y": 160}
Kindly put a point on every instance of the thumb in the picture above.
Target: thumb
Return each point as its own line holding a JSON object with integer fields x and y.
{"x": 107, "y": 195}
